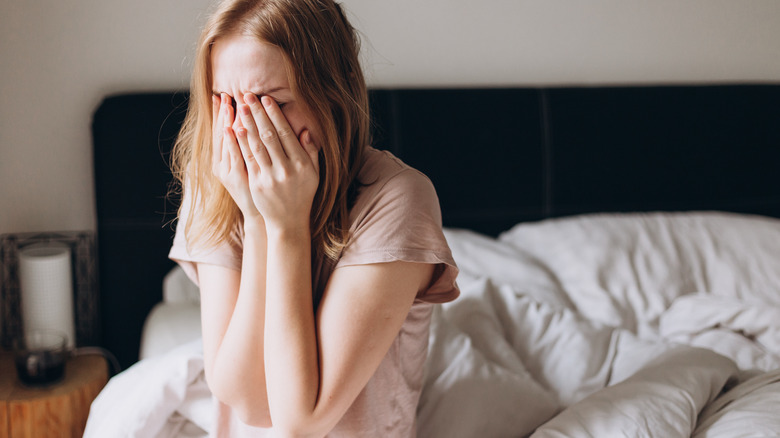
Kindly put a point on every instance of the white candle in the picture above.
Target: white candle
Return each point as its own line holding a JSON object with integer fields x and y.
{"x": 46, "y": 287}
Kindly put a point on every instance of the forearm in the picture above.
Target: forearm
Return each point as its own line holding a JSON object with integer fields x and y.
{"x": 291, "y": 348}
{"x": 237, "y": 376}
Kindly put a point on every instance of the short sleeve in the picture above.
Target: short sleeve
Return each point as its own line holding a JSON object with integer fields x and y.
{"x": 400, "y": 220}
{"x": 227, "y": 254}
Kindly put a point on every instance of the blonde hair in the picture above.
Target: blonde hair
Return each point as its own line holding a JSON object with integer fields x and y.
{"x": 321, "y": 50}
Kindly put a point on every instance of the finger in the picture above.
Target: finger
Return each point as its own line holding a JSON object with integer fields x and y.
{"x": 232, "y": 152}
{"x": 214, "y": 113}
{"x": 269, "y": 140}
{"x": 225, "y": 158}
{"x": 290, "y": 145}
{"x": 311, "y": 149}
{"x": 227, "y": 106}
{"x": 225, "y": 109}
{"x": 243, "y": 143}
{"x": 216, "y": 131}
{"x": 256, "y": 145}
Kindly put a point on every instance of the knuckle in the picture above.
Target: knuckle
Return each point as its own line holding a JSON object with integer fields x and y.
{"x": 300, "y": 166}
{"x": 280, "y": 176}
{"x": 286, "y": 133}
{"x": 267, "y": 135}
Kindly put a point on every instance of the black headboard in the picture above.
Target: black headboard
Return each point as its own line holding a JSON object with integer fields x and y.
{"x": 496, "y": 156}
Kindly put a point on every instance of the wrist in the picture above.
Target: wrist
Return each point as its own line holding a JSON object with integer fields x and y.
{"x": 289, "y": 233}
{"x": 254, "y": 225}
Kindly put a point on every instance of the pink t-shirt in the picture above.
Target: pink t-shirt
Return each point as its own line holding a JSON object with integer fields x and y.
{"x": 396, "y": 216}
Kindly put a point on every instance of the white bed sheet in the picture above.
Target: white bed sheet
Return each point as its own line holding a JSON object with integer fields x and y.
{"x": 605, "y": 325}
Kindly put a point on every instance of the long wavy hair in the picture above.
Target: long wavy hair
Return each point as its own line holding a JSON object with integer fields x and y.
{"x": 321, "y": 52}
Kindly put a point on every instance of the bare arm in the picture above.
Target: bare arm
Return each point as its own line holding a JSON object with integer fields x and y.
{"x": 314, "y": 376}
{"x": 233, "y": 302}
{"x": 315, "y": 366}
{"x": 360, "y": 315}
{"x": 232, "y": 316}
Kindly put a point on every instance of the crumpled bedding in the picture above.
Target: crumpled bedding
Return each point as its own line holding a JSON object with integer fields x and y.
{"x": 663, "y": 398}
{"x": 633, "y": 325}
{"x": 555, "y": 374}
{"x": 747, "y": 333}
{"x": 162, "y": 396}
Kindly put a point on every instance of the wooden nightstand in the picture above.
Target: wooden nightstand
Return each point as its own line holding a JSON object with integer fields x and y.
{"x": 59, "y": 410}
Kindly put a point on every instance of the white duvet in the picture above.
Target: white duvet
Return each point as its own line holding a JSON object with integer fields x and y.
{"x": 636, "y": 325}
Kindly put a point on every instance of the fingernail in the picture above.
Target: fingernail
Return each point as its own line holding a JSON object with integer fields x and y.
{"x": 266, "y": 101}
{"x": 250, "y": 98}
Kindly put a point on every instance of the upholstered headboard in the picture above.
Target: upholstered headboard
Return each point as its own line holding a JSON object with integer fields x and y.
{"x": 496, "y": 156}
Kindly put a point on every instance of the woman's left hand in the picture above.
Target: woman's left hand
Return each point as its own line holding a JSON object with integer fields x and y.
{"x": 282, "y": 168}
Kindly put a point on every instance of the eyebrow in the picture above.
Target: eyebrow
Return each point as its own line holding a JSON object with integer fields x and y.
{"x": 261, "y": 93}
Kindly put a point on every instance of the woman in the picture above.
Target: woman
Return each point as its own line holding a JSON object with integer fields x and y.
{"x": 317, "y": 256}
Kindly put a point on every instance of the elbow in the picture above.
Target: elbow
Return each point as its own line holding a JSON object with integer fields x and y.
{"x": 251, "y": 409}
{"x": 251, "y": 416}
{"x": 301, "y": 426}
{"x": 292, "y": 428}
{"x": 295, "y": 432}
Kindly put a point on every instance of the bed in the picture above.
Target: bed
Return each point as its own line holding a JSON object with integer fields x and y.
{"x": 619, "y": 251}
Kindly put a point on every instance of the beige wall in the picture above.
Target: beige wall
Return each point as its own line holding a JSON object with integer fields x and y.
{"x": 59, "y": 58}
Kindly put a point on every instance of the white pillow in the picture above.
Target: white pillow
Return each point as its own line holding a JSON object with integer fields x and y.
{"x": 177, "y": 287}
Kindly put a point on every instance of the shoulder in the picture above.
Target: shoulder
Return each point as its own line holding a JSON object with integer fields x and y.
{"x": 386, "y": 179}
{"x": 396, "y": 217}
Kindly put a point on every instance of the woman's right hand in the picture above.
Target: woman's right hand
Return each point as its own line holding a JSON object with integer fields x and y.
{"x": 227, "y": 162}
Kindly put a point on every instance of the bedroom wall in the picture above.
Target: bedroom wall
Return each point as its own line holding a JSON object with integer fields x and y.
{"x": 58, "y": 59}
